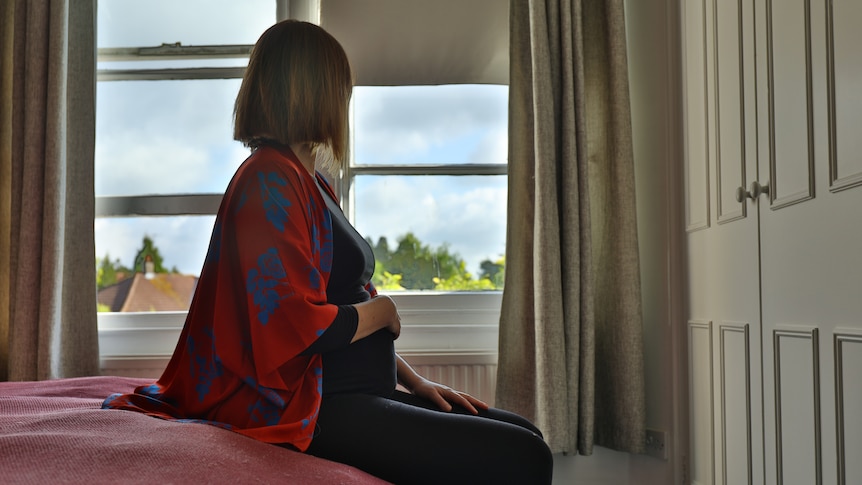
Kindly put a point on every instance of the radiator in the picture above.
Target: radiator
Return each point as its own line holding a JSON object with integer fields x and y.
{"x": 474, "y": 373}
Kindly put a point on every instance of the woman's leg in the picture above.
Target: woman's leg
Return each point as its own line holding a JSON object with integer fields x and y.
{"x": 411, "y": 444}
{"x": 492, "y": 413}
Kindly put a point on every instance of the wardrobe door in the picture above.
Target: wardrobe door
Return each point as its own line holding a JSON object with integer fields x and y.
{"x": 811, "y": 239}
{"x": 698, "y": 221}
{"x": 723, "y": 268}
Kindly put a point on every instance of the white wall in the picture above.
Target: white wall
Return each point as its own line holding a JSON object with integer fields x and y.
{"x": 653, "y": 63}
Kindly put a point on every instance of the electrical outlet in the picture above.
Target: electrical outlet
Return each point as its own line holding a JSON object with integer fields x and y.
{"x": 656, "y": 443}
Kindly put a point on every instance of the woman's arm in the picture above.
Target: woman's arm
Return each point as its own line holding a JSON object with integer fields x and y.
{"x": 439, "y": 394}
{"x": 376, "y": 314}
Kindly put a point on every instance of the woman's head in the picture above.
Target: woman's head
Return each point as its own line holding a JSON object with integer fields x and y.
{"x": 296, "y": 89}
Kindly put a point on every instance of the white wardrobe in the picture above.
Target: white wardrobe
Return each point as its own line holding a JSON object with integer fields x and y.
{"x": 773, "y": 213}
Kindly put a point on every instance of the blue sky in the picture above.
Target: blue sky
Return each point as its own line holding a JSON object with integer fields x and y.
{"x": 176, "y": 137}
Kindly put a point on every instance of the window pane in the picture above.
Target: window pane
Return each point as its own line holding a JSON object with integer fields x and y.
{"x": 191, "y": 22}
{"x": 162, "y": 137}
{"x": 430, "y": 124}
{"x": 180, "y": 242}
{"x": 463, "y": 215}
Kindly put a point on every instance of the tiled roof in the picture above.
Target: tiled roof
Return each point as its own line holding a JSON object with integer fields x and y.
{"x": 162, "y": 292}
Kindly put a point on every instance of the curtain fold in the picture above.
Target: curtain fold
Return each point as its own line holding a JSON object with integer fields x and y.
{"x": 571, "y": 339}
{"x": 48, "y": 322}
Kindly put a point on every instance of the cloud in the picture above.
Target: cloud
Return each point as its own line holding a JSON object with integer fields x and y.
{"x": 466, "y": 213}
{"x": 192, "y": 22}
{"x": 165, "y": 137}
{"x": 493, "y": 147}
{"x": 182, "y": 241}
{"x": 427, "y": 124}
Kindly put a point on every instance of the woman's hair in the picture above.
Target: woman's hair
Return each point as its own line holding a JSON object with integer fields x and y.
{"x": 296, "y": 89}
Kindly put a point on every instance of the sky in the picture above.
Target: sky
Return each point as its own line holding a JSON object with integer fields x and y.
{"x": 176, "y": 137}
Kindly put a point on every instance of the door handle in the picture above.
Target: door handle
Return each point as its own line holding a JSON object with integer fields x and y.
{"x": 755, "y": 191}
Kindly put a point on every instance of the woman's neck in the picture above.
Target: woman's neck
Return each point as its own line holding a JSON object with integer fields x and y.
{"x": 303, "y": 152}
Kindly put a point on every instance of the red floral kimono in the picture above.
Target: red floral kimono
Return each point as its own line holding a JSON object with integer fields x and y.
{"x": 260, "y": 302}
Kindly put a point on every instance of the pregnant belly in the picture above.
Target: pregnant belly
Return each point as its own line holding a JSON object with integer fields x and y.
{"x": 366, "y": 366}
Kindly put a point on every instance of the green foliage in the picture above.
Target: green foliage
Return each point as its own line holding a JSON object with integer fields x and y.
{"x": 108, "y": 271}
{"x": 412, "y": 265}
{"x": 384, "y": 280}
{"x": 417, "y": 266}
{"x": 494, "y": 271}
{"x": 149, "y": 249}
{"x": 463, "y": 282}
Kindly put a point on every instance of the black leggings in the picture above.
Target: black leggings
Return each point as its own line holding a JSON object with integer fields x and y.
{"x": 408, "y": 440}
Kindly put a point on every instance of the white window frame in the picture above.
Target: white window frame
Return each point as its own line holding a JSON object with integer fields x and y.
{"x": 436, "y": 323}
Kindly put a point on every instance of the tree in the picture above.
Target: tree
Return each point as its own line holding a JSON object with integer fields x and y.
{"x": 416, "y": 266}
{"x": 384, "y": 280}
{"x": 416, "y": 263}
{"x": 381, "y": 249}
{"x": 149, "y": 249}
{"x": 494, "y": 271}
{"x": 109, "y": 271}
{"x": 463, "y": 281}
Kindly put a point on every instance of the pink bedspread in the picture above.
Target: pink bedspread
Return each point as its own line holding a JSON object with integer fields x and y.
{"x": 54, "y": 432}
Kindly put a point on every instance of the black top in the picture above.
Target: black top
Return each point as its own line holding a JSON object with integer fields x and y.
{"x": 367, "y": 365}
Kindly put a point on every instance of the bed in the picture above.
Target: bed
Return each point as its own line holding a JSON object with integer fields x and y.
{"x": 55, "y": 432}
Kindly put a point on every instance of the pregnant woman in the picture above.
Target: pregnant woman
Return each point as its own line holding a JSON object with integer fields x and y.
{"x": 286, "y": 340}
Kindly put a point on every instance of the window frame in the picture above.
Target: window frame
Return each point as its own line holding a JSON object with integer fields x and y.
{"x": 441, "y": 323}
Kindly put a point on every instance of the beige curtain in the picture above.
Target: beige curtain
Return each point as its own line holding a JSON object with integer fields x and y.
{"x": 47, "y": 256}
{"x": 571, "y": 351}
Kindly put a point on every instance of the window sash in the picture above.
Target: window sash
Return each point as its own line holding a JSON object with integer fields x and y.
{"x": 208, "y": 203}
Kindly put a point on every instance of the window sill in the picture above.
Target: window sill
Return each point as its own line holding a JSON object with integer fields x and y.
{"x": 462, "y": 325}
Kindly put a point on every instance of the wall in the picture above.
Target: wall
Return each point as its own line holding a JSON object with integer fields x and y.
{"x": 653, "y": 63}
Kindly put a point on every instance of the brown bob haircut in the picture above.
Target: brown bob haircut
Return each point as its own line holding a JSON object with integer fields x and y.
{"x": 296, "y": 89}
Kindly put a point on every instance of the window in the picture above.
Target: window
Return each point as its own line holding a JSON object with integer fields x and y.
{"x": 429, "y": 169}
{"x": 167, "y": 81}
{"x": 427, "y": 162}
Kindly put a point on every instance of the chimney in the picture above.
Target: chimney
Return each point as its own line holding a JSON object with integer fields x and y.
{"x": 149, "y": 268}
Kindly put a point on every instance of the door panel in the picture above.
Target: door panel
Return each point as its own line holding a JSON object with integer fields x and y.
{"x": 730, "y": 72}
{"x": 695, "y": 116}
{"x": 723, "y": 258}
{"x": 811, "y": 264}
{"x": 696, "y": 163}
{"x": 848, "y": 399}
{"x": 796, "y": 406}
{"x": 790, "y": 133}
{"x": 845, "y": 78}
{"x": 702, "y": 463}
{"x": 736, "y": 408}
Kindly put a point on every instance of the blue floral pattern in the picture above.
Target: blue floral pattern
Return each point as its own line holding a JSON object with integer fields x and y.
{"x": 318, "y": 374}
{"x": 243, "y": 198}
{"x": 321, "y": 237}
{"x": 262, "y": 281}
{"x": 267, "y": 409}
{"x": 153, "y": 390}
{"x": 206, "y": 367}
{"x": 274, "y": 203}
{"x": 270, "y": 245}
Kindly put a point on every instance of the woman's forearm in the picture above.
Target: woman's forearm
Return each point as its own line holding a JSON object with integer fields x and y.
{"x": 376, "y": 314}
{"x": 407, "y": 377}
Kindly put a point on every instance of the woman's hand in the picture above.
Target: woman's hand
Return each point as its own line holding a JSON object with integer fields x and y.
{"x": 376, "y": 314}
{"x": 445, "y": 396}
